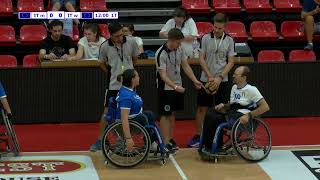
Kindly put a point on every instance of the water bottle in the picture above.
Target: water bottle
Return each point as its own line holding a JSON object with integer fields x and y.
{"x": 196, "y": 48}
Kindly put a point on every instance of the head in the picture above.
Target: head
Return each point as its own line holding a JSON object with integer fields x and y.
{"x": 240, "y": 75}
{"x": 317, "y": 1}
{"x": 56, "y": 28}
{"x": 116, "y": 32}
{"x": 175, "y": 37}
{"x": 180, "y": 16}
{"x": 130, "y": 78}
{"x": 219, "y": 23}
{"x": 128, "y": 29}
{"x": 92, "y": 32}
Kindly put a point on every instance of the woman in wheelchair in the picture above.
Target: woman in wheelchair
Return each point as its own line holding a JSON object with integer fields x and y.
{"x": 246, "y": 103}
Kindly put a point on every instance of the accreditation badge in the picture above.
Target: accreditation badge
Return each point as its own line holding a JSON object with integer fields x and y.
{"x": 221, "y": 55}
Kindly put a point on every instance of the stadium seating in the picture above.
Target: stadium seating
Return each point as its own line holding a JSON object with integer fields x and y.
{"x": 287, "y": 6}
{"x": 302, "y": 56}
{"x": 270, "y": 56}
{"x": 93, "y": 5}
{"x": 8, "y": 61}
{"x": 7, "y": 36}
{"x": 104, "y": 30}
{"x": 226, "y": 6}
{"x": 257, "y": 6}
{"x": 237, "y": 30}
{"x": 263, "y": 31}
{"x": 6, "y": 8}
{"x": 76, "y": 34}
{"x": 204, "y": 28}
{"x": 30, "y": 5}
{"x": 32, "y": 34}
{"x": 31, "y": 60}
{"x": 196, "y": 6}
{"x": 292, "y": 31}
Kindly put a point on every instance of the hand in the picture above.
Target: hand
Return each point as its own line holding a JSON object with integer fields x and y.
{"x": 69, "y": 58}
{"x": 129, "y": 144}
{"x": 210, "y": 78}
{"x": 52, "y": 56}
{"x": 9, "y": 115}
{"x": 219, "y": 107}
{"x": 244, "y": 119}
{"x": 180, "y": 89}
{"x": 198, "y": 84}
{"x": 317, "y": 10}
{"x": 216, "y": 82}
{"x": 64, "y": 57}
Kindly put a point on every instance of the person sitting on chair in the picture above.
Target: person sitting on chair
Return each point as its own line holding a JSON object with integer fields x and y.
{"x": 4, "y": 102}
{"x": 246, "y": 103}
{"x": 129, "y": 105}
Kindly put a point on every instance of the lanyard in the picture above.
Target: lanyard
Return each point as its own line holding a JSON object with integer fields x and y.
{"x": 175, "y": 61}
{"x": 215, "y": 42}
{"x": 120, "y": 54}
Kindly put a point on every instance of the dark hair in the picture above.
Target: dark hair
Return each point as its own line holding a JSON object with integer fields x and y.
{"x": 129, "y": 26}
{"x": 246, "y": 71}
{"x": 220, "y": 18}
{"x": 126, "y": 77}
{"x": 55, "y": 23}
{"x": 114, "y": 27}
{"x": 175, "y": 34}
{"x": 94, "y": 28}
{"x": 180, "y": 12}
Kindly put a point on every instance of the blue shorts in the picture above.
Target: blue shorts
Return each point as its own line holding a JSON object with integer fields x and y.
{"x": 61, "y": 2}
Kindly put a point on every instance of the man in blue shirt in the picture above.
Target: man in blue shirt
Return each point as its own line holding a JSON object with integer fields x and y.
{"x": 311, "y": 16}
{"x": 4, "y": 101}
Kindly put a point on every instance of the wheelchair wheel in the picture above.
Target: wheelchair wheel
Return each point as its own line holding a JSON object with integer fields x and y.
{"x": 114, "y": 147}
{"x": 252, "y": 141}
{"x": 13, "y": 141}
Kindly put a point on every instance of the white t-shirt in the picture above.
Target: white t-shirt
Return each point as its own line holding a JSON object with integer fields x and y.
{"x": 90, "y": 52}
{"x": 189, "y": 28}
{"x": 138, "y": 40}
{"x": 247, "y": 96}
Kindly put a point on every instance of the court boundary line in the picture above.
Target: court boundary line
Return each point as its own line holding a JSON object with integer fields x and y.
{"x": 178, "y": 168}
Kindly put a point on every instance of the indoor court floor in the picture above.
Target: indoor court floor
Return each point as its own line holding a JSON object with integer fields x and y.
{"x": 189, "y": 166}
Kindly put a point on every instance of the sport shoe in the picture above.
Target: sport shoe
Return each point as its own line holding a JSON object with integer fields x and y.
{"x": 195, "y": 141}
{"x": 169, "y": 149}
{"x": 96, "y": 146}
{"x": 308, "y": 47}
{"x": 173, "y": 144}
{"x": 154, "y": 147}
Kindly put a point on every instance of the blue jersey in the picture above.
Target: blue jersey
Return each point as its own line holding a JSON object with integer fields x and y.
{"x": 2, "y": 93}
{"x": 310, "y": 5}
{"x": 128, "y": 99}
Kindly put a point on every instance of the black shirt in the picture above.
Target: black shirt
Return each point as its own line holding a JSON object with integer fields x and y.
{"x": 59, "y": 48}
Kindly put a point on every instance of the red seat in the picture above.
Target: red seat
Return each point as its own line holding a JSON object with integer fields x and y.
{"x": 257, "y": 6}
{"x": 263, "y": 31}
{"x": 76, "y": 34}
{"x": 302, "y": 55}
{"x": 237, "y": 30}
{"x": 226, "y": 6}
{"x": 30, "y": 5}
{"x": 287, "y": 5}
{"x": 203, "y": 28}
{"x": 31, "y": 60}
{"x": 292, "y": 30}
{"x": 270, "y": 56}
{"x": 7, "y": 36}
{"x": 32, "y": 34}
{"x": 196, "y": 6}
{"x": 104, "y": 30}
{"x": 93, "y": 5}
{"x": 8, "y": 61}
{"x": 6, "y": 8}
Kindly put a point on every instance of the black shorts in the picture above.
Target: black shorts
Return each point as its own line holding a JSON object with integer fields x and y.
{"x": 222, "y": 95}
{"x": 108, "y": 95}
{"x": 170, "y": 101}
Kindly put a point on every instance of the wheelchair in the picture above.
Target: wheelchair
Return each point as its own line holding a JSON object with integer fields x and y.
{"x": 9, "y": 145}
{"x": 114, "y": 144}
{"x": 251, "y": 141}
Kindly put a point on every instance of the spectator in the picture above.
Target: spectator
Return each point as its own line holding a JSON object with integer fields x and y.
{"x": 311, "y": 16}
{"x": 128, "y": 30}
{"x": 89, "y": 45}
{"x": 68, "y": 4}
{"x": 56, "y": 45}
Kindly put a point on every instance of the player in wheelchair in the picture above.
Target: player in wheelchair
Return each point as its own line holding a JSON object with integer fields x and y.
{"x": 235, "y": 126}
{"x": 131, "y": 135}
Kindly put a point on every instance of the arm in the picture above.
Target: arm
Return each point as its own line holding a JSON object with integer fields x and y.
{"x": 164, "y": 77}
{"x": 262, "y": 108}
{"x": 187, "y": 69}
{"x": 42, "y": 54}
{"x": 103, "y": 66}
{"x": 229, "y": 66}
{"x": 5, "y": 105}
{"x": 72, "y": 52}
{"x": 103, "y": 59}
{"x": 79, "y": 54}
{"x": 165, "y": 29}
{"x": 125, "y": 123}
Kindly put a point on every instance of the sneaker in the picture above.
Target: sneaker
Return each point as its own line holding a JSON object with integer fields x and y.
{"x": 308, "y": 47}
{"x": 154, "y": 147}
{"x": 173, "y": 144}
{"x": 169, "y": 149}
{"x": 96, "y": 146}
{"x": 221, "y": 151}
{"x": 195, "y": 141}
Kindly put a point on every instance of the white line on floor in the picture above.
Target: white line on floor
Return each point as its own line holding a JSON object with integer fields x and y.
{"x": 178, "y": 168}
